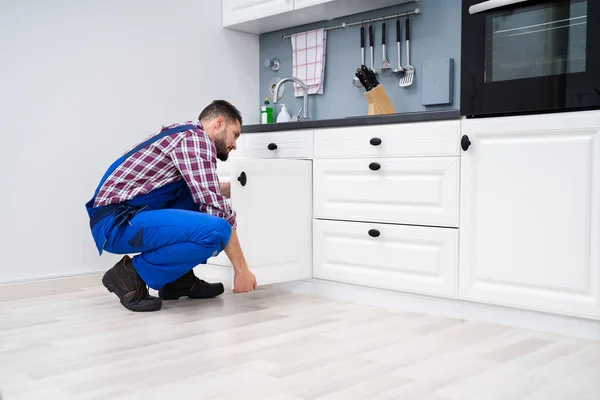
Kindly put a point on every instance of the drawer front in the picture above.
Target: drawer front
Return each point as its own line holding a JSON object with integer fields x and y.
{"x": 416, "y": 191}
{"x": 287, "y": 144}
{"x": 414, "y": 259}
{"x": 398, "y": 140}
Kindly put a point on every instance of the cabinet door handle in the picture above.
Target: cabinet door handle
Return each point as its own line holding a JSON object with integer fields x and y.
{"x": 465, "y": 143}
{"x": 243, "y": 178}
{"x": 374, "y": 166}
{"x": 375, "y": 141}
{"x": 374, "y": 233}
{"x": 272, "y": 146}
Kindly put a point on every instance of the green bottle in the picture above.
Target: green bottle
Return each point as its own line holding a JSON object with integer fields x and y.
{"x": 266, "y": 113}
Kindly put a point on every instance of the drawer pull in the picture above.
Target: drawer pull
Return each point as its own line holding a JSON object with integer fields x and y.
{"x": 242, "y": 178}
{"x": 374, "y": 233}
{"x": 375, "y": 141}
{"x": 374, "y": 166}
{"x": 465, "y": 143}
{"x": 272, "y": 146}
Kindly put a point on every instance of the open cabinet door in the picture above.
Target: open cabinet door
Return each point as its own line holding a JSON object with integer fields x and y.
{"x": 273, "y": 200}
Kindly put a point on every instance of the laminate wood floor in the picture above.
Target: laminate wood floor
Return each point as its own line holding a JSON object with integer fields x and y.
{"x": 275, "y": 345}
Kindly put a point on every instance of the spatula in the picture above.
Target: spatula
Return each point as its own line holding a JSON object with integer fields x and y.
{"x": 407, "y": 79}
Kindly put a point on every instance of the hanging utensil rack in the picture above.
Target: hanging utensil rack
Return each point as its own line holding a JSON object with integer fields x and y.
{"x": 345, "y": 25}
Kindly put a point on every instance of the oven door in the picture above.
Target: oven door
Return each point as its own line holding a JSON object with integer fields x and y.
{"x": 529, "y": 56}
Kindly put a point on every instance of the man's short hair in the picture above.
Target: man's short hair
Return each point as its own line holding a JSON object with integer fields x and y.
{"x": 221, "y": 107}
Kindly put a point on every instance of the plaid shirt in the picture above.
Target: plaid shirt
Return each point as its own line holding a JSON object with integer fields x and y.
{"x": 190, "y": 155}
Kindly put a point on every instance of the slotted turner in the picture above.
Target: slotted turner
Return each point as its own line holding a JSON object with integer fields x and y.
{"x": 409, "y": 74}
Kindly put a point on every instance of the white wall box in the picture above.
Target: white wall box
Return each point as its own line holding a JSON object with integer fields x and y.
{"x": 261, "y": 16}
{"x": 419, "y": 139}
{"x": 417, "y": 191}
{"x": 415, "y": 259}
{"x": 530, "y": 213}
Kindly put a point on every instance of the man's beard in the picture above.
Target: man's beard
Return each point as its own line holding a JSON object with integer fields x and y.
{"x": 222, "y": 152}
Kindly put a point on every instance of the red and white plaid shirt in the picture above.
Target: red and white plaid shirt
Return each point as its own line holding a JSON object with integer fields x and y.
{"x": 190, "y": 155}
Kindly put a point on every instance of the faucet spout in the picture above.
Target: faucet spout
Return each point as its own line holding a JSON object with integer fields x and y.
{"x": 304, "y": 89}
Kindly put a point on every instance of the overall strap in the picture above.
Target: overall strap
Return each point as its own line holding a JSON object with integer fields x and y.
{"x": 151, "y": 140}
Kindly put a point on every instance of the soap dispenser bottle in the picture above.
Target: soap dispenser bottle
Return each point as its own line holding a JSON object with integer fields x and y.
{"x": 283, "y": 115}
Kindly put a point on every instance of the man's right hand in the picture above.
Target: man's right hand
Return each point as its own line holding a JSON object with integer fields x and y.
{"x": 244, "y": 281}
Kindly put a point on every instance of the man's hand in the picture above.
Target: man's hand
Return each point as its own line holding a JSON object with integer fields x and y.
{"x": 244, "y": 281}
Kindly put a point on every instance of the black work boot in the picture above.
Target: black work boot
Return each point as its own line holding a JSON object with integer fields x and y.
{"x": 191, "y": 286}
{"x": 124, "y": 281}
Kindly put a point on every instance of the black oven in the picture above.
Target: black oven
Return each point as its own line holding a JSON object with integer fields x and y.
{"x": 529, "y": 56}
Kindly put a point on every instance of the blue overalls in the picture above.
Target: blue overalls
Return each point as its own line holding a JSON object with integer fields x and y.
{"x": 165, "y": 226}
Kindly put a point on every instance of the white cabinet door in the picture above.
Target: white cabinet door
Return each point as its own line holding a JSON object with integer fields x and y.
{"x": 530, "y": 213}
{"x": 417, "y": 191}
{"x": 274, "y": 217}
{"x": 235, "y": 11}
{"x": 409, "y": 258}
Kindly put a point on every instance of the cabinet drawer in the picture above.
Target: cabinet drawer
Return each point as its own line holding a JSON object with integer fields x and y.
{"x": 407, "y": 258}
{"x": 416, "y": 191}
{"x": 398, "y": 140}
{"x": 287, "y": 144}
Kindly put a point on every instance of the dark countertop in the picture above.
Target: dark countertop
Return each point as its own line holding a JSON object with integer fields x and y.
{"x": 365, "y": 120}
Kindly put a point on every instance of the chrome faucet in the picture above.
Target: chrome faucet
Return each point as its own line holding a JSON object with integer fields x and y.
{"x": 302, "y": 85}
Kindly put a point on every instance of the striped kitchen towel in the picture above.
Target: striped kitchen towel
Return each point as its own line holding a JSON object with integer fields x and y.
{"x": 309, "y": 49}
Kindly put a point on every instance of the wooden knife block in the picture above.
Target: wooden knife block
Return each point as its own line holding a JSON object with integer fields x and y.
{"x": 379, "y": 102}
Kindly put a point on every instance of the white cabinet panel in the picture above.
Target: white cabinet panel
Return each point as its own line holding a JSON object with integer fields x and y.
{"x": 235, "y": 11}
{"x": 530, "y": 213}
{"x": 418, "y": 191}
{"x": 408, "y": 258}
{"x": 274, "y": 218}
{"x": 286, "y": 144}
{"x": 397, "y": 140}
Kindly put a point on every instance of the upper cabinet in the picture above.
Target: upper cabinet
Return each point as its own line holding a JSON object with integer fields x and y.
{"x": 235, "y": 11}
{"x": 261, "y": 16}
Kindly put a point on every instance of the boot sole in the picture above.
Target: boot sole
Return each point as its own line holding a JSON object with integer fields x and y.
{"x": 177, "y": 297}
{"x": 107, "y": 282}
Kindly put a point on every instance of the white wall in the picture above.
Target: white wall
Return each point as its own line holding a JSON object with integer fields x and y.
{"x": 81, "y": 81}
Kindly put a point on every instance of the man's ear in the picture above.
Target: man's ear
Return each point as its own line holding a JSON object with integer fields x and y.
{"x": 219, "y": 122}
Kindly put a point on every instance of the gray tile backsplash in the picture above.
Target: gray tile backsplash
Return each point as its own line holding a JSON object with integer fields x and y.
{"x": 435, "y": 38}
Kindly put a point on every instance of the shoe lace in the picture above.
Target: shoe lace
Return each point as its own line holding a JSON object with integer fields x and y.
{"x": 141, "y": 289}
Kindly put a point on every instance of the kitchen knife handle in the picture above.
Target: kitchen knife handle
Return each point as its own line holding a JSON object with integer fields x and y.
{"x": 362, "y": 36}
{"x": 371, "y": 39}
{"x": 383, "y": 31}
{"x": 398, "y": 31}
{"x": 407, "y": 29}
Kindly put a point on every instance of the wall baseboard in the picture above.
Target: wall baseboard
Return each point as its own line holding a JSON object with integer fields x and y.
{"x": 49, "y": 285}
{"x": 588, "y": 329}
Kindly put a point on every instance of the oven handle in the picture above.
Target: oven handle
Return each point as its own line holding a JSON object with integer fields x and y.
{"x": 491, "y": 4}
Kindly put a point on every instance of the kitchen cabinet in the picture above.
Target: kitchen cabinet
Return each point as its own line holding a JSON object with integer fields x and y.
{"x": 386, "y": 202}
{"x": 530, "y": 212}
{"x": 248, "y": 10}
{"x": 262, "y": 16}
{"x": 273, "y": 201}
{"x": 396, "y": 257}
{"x": 422, "y": 191}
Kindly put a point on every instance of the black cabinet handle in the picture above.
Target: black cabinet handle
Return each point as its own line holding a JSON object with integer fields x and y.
{"x": 465, "y": 143}
{"x": 375, "y": 141}
{"x": 374, "y": 166}
{"x": 272, "y": 146}
{"x": 374, "y": 233}
{"x": 243, "y": 178}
